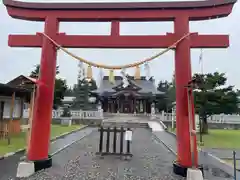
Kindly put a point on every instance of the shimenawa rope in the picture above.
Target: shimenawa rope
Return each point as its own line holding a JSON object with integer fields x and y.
{"x": 118, "y": 66}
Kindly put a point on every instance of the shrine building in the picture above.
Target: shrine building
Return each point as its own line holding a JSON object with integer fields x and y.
{"x": 137, "y": 97}
{"x": 12, "y": 100}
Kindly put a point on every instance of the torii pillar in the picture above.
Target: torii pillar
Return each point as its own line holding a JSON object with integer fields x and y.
{"x": 42, "y": 111}
{"x": 179, "y": 12}
{"x": 183, "y": 76}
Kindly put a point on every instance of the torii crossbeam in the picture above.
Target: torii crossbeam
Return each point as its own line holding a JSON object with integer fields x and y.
{"x": 54, "y": 13}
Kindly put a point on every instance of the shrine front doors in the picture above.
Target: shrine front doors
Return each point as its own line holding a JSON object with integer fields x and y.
{"x": 127, "y": 107}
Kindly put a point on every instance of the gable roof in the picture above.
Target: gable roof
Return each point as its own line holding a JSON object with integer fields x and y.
{"x": 16, "y": 80}
{"x": 132, "y": 85}
{"x": 145, "y": 86}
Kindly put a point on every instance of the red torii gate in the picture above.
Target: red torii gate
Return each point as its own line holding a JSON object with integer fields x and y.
{"x": 54, "y": 13}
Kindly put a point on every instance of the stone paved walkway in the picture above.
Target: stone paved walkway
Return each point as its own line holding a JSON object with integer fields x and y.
{"x": 151, "y": 161}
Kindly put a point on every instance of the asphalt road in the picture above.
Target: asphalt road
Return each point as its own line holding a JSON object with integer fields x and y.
{"x": 210, "y": 173}
{"x": 8, "y": 167}
{"x": 223, "y": 153}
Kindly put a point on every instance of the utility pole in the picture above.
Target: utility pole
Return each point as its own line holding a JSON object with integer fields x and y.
{"x": 203, "y": 89}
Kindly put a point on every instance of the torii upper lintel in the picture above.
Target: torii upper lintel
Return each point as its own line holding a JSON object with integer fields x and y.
{"x": 136, "y": 11}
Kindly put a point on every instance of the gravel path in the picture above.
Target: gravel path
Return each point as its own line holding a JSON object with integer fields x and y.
{"x": 8, "y": 166}
{"x": 150, "y": 161}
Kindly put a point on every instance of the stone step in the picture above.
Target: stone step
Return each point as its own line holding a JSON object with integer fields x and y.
{"x": 125, "y": 125}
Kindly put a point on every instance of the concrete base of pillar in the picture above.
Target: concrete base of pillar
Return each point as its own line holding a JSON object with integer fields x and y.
{"x": 27, "y": 168}
{"x": 179, "y": 170}
{"x": 183, "y": 171}
{"x": 194, "y": 174}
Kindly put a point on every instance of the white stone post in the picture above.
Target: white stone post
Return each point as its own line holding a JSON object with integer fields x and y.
{"x": 163, "y": 116}
{"x": 153, "y": 112}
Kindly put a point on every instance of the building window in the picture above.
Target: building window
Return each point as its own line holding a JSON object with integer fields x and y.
{"x": 1, "y": 110}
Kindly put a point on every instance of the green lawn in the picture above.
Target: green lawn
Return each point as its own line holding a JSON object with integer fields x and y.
{"x": 19, "y": 141}
{"x": 220, "y": 138}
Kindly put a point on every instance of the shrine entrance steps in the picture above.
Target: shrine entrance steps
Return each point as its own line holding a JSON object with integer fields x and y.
{"x": 126, "y": 121}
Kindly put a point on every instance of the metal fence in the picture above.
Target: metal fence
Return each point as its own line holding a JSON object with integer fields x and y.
{"x": 98, "y": 114}
{"x": 217, "y": 118}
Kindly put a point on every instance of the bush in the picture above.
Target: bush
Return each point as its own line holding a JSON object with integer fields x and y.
{"x": 66, "y": 113}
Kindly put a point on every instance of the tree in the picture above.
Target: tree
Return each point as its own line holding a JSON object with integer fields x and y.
{"x": 214, "y": 97}
{"x": 60, "y": 86}
{"x": 35, "y": 72}
{"x": 172, "y": 90}
{"x": 59, "y": 91}
{"x": 69, "y": 92}
{"x": 81, "y": 91}
{"x": 66, "y": 112}
{"x": 92, "y": 85}
{"x": 162, "y": 100}
{"x": 165, "y": 102}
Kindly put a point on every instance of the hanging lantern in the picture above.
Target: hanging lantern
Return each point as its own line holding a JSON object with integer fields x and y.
{"x": 89, "y": 72}
{"x": 111, "y": 76}
{"x": 137, "y": 73}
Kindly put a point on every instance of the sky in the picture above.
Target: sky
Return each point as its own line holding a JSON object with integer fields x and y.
{"x": 21, "y": 61}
